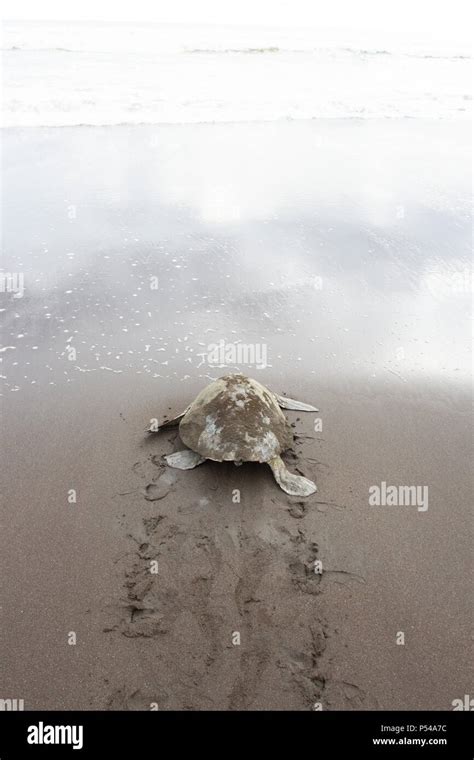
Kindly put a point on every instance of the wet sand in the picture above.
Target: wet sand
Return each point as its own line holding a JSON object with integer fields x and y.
{"x": 340, "y": 249}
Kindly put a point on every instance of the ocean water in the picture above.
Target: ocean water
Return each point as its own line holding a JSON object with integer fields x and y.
{"x": 58, "y": 74}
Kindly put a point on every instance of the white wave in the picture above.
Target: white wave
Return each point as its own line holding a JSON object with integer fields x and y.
{"x": 71, "y": 74}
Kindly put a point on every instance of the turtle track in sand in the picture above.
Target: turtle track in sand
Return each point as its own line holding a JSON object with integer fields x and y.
{"x": 225, "y": 568}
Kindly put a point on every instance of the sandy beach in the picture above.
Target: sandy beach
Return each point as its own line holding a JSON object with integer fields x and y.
{"x": 339, "y": 249}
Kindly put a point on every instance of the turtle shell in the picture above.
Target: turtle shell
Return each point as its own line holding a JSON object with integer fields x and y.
{"x": 235, "y": 418}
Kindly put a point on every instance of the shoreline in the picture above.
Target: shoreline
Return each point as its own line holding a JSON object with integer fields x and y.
{"x": 462, "y": 120}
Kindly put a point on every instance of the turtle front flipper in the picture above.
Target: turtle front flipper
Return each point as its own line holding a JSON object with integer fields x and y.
{"x": 155, "y": 427}
{"x": 294, "y": 485}
{"x": 296, "y": 406}
{"x": 184, "y": 460}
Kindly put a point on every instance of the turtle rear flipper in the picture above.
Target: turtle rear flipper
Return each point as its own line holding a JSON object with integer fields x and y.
{"x": 185, "y": 459}
{"x": 296, "y": 406}
{"x": 294, "y": 485}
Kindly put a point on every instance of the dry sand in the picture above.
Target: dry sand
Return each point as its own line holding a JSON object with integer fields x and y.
{"x": 342, "y": 248}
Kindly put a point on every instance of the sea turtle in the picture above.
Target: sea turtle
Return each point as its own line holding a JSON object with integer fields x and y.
{"x": 237, "y": 419}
